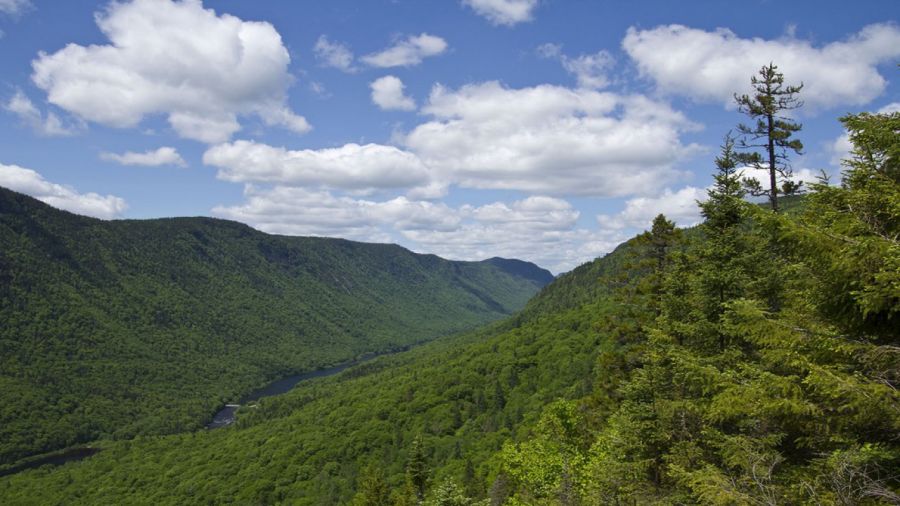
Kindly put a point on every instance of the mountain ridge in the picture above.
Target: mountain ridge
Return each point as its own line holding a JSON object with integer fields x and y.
{"x": 160, "y": 308}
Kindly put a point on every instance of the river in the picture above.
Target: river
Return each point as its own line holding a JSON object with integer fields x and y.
{"x": 54, "y": 459}
{"x": 223, "y": 418}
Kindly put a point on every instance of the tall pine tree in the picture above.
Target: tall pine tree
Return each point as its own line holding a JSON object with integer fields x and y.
{"x": 771, "y": 131}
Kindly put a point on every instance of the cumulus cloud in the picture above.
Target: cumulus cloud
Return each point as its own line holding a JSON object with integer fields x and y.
{"x": 31, "y": 183}
{"x": 503, "y": 12}
{"x": 550, "y": 140}
{"x": 44, "y": 124}
{"x": 590, "y": 70}
{"x": 540, "y": 140}
{"x": 538, "y": 228}
{"x": 712, "y": 65}
{"x": 352, "y": 166}
{"x": 407, "y": 52}
{"x": 162, "y": 156}
{"x": 200, "y": 69}
{"x": 300, "y": 211}
{"x": 334, "y": 54}
{"x": 679, "y": 206}
{"x": 387, "y": 93}
{"x": 532, "y": 213}
{"x": 14, "y": 7}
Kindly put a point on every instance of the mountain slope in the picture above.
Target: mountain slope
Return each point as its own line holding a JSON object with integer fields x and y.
{"x": 568, "y": 402}
{"x": 118, "y": 328}
{"x": 463, "y": 395}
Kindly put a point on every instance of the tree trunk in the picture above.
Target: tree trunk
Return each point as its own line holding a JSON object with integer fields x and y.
{"x": 773, "y": 183}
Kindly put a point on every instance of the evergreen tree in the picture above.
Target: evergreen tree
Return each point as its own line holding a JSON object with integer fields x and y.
{"x": 448, "y": 493}
{"x": 771, "y": 131}
{"x": 417, "y": 467}
{"x": 372, "y": 490}
{"x": 721, "y": 271}
{"x": 657, "y": 244}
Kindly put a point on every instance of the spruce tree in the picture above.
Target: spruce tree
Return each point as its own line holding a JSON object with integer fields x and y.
{"x": 771, "y": 131}
{"x": 372, "y": 489}
{"x": 417, "y": 468}
{"x": 721, "y": 271}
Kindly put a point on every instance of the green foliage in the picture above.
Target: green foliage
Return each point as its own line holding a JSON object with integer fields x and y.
{"x": 464, "y": 396}
{"x": 850, "y": 232}
{"x": 704, "y": 367}
{"x": 372, "y": 489}
{"x": 114, "y": 329}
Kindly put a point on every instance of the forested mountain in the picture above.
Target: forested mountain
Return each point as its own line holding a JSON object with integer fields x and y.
{"x": 751, "y": 360}
{"x": 121, "y": 328}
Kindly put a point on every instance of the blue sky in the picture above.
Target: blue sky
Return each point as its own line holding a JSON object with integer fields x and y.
{"x": 537, "y": 129}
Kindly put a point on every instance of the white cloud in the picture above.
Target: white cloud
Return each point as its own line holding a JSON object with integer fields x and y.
{"x": 590, "y": 70}
{"x": 31, "y": 183}
{"x": 545, "y": 139}
{"x": 539, "y": 229}
{"x": 334, "y": 54}
{"x": 550, "y": 139}
{"x": 679, "y": 206}
{"x": 890, "y": 108}
{"x": 533, "y": 213}
{"x": 407, "y": 52}
{"x": 351, "y": 166}
{"x": 387, "y": 93}
{"x": 503, "y": 12}
{"x": 14, "y": 7}
{"x": 840, "y": 149}
{"x": 299, "y": 211}
{"x": 200, "y": 69}
{"x": 715, "y": 65}
{"x": 49, "y": 124}
{"x": 162, "y": 156}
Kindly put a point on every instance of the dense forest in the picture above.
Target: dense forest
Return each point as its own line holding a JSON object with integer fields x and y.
{"x": 113, "y": 329}
{"x": 750, "y": 360}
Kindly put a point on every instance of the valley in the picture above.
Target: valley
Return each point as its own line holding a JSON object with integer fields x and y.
{"x": 111, "y": 332}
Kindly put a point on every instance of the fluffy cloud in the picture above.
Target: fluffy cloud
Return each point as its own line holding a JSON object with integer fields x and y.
{"x": 540, "y": 229}
{"x": 31, "y": 183}
{"x": 334, "y": 54}
{"x": 48, "y": 124}
{"x": 407, "y": 52}
{"x": 201, "y": 69}
{"x": 162, "y": 156}
{"x": 545, "y": 139}
{"x": 387, "y": 93}
{"x": 679, "y": 206}
{"x": 351, "y": 166}
{"x": 533, "y": 213}
{"x": 714, "y": 65}
{"x": 550, "y": 139}
{"x": 590, "y": 70}
{"x": 299, "y": 211}
{"x": 503, "y": 12}
{"x": 14, "y": 7}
